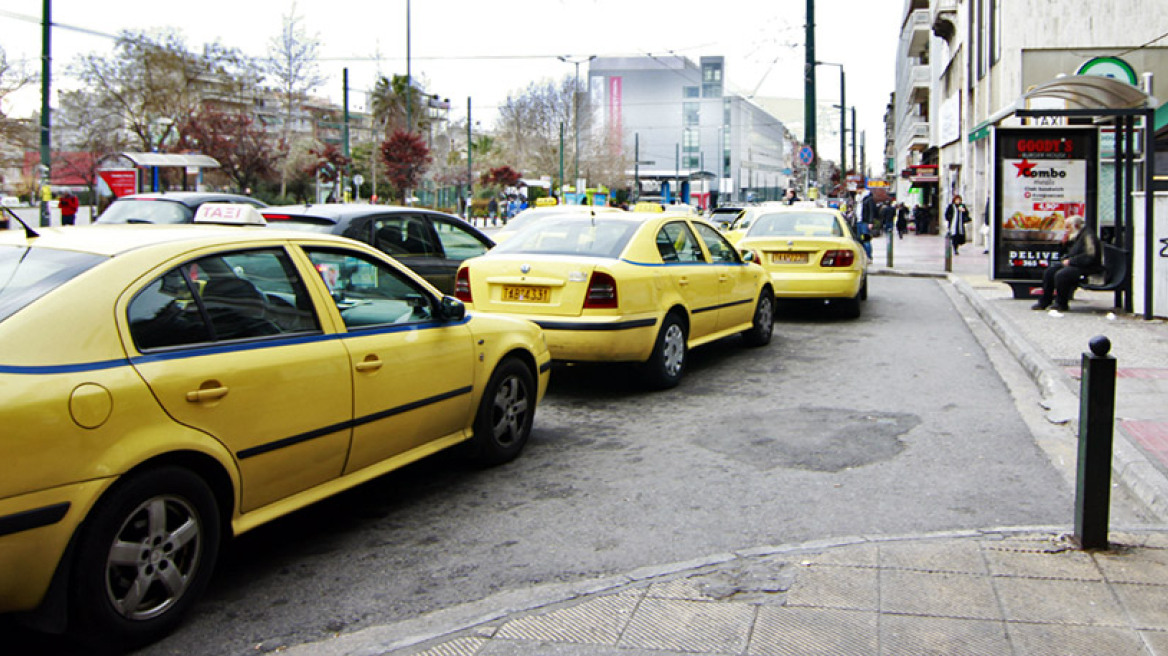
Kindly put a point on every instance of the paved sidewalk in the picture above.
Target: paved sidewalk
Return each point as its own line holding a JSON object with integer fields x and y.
{"x": 992, "y": 591}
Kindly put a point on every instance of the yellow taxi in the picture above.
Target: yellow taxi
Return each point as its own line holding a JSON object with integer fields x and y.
{"x": 810, "y": 253}
{"x": 627, "y": 287}
{"x": 538, "y": 213}
{"x": 164, "y": 388}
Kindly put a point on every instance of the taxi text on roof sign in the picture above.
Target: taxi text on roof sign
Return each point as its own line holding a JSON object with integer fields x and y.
{"x": 229, "y": 214}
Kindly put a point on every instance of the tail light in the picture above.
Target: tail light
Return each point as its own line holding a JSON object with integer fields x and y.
{"x": 462, "y": 286}
{"x": 601, "y": 291}
{"x": 840, "y": 258}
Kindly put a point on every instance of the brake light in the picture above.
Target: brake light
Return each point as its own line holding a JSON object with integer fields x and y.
{"x": 601, "y": 291}
{"x": 841, "y": 258}
{"x": 277, "y": 217}
{"x": 462, "y": 285}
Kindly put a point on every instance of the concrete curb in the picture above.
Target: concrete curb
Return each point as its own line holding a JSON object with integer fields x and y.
{"x": 446, "y": 623}
{"x": 1061, "y": 400}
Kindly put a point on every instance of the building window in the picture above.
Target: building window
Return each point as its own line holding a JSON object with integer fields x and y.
{"x": 691, "y": 92}
{"x": 691, "y": 161}
{"x": 692, "y": 114}
{"x": 689, "y": 141}
{"x": 711, "y": 80}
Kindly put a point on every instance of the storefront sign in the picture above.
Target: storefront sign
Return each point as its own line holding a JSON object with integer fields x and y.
{"x": 1043, "y": 176}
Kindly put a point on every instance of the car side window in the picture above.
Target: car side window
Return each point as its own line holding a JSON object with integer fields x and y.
{"x": 720, "y": 249}
{"x": 368, "y": 292}
{"x": 457, "y": 242}
{"x": 235, "y": 295}
{"x": 404, "y": 236}
{"x": 676, "y": 243}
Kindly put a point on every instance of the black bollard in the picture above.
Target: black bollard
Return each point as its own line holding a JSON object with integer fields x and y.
{"x": 1096, "y": 422}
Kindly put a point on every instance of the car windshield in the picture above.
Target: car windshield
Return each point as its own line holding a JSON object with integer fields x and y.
{"x": 27, "y": 274}
{"x": 796, "y": 224}
{"x": 572, "y": 235}
{"x": 146, "y": 210}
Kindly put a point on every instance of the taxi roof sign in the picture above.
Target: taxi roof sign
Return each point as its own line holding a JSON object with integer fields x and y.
{"x": 229, "y": 214}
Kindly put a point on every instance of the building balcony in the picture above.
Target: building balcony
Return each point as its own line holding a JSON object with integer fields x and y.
{"x": 944, "y": 18}
{"x": 917, "y": 30}
{"x": 913, "y": 135}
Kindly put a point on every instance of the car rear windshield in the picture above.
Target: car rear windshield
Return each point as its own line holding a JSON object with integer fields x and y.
{"x": 27, "y": 274}
{"x": 146, "y": 210}
{"x": 572, "y": 235}
{"x": 796, "y": 224}
{"x": 298, "y": 222}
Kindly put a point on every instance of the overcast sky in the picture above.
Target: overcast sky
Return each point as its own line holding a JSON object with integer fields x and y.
{"x": 487, "y": 50}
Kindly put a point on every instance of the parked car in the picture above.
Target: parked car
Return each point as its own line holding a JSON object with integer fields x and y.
{"x": 167, "y": 207}
{"x": 623, "y": 287}
{"x": 810, "y": 253}
{"x": 169, "y": 387}
{"x": 431, "y": 243}
{"x": 722, "y": 217}
{"x": 537, "y": 213}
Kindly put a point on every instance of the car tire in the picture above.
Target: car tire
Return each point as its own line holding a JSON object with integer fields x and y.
{"x": 763, "y": 323}
{"x": 864, "y": 289}
{"x": 666, "y": 365}
{"x": 849, "y": 308}
{"x": 143, "y": 557}
{"x": 505, "y": 414}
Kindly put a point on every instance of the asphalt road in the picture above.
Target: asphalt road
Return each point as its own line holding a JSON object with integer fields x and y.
{"x": 894, "y": 423}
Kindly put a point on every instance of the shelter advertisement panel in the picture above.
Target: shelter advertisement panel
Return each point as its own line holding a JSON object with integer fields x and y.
{"x": 1042, "y": 177}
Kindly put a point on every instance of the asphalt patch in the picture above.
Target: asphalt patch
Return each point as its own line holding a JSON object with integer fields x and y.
{"x": 815, "y": 439}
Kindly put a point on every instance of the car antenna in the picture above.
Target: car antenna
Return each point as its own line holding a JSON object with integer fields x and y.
{"x": 28, "y": 232}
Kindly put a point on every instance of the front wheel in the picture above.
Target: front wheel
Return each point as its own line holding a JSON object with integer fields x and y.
{"x": 763, "y": 325}
{"x": 144, "y": 556}
{"x": 505, "y": 414}
{"x": 667, "y": 363}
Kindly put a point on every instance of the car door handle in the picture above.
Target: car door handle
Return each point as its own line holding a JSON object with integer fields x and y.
{"x": 370, "y": 363}
{"x": 723, "y": 278}
{"x": 683, "y": 280}
{"x": 207, "y": 394}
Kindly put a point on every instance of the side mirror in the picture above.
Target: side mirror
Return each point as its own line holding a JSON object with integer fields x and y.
{"x": 748, "y": 256}
{"x": 451, "y": 309}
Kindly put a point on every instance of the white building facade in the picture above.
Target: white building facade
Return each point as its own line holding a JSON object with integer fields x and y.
{"x": 691, "y": 137}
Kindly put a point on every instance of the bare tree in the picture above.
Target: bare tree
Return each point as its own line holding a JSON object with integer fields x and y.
{"x": 528, "y": 127}
{"x": 152, "y": 81}
{"x": 85, "y": 126}
{"x": 292, "y": 63}
{"x": 16, "y": 135}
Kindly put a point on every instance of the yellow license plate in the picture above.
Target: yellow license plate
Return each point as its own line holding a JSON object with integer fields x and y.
{"x": 789, "y": 258}
{"x": 525, "y": 294}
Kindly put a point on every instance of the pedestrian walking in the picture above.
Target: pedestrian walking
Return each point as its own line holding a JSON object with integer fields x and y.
{"x": 68, "y": 205}
{"x": 790, "y": 197}
{"x": 956, "y": 216}
{"x": 901, "y": 220}
{"x": 887, "y": 218}
{"x": 1084, "y": 256}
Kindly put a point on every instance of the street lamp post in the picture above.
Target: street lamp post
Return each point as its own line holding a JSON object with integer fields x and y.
{"x": 576, "y": 111}
{"x": 843, "y": 119}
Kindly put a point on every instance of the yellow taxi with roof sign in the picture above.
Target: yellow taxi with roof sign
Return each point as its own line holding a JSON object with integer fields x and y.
{"x": 810, "y": 253}
{"x": 166, "y": 387}
{"x": 623, "y": 287}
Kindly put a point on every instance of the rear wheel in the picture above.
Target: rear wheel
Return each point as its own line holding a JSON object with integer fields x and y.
{"x": 144, "y": 556}
{"x": 849, "y": 308}
{"x": 763, "y": 325}
{"x": 505, "y": 414}
{"x": 667, "y": 363}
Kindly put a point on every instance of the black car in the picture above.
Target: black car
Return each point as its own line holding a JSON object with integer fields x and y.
{"x": 431, "y": 243}
{"x": 167, "y": 207}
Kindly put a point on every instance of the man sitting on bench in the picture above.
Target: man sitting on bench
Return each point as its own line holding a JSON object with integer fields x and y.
{"x": 1084, "y": 256}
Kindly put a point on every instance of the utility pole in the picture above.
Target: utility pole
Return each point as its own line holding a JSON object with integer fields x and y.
{"x": 560, "y": 200}
{"x": 843, "y": 107}
{"x": 46, "y": 79}
{"x": 469, "y": 167}
{"x": 854, "y": 160}
{"x": 809, "y": 105}
{"x": 409, "y": 79}
{"x": 576, "y": 113}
